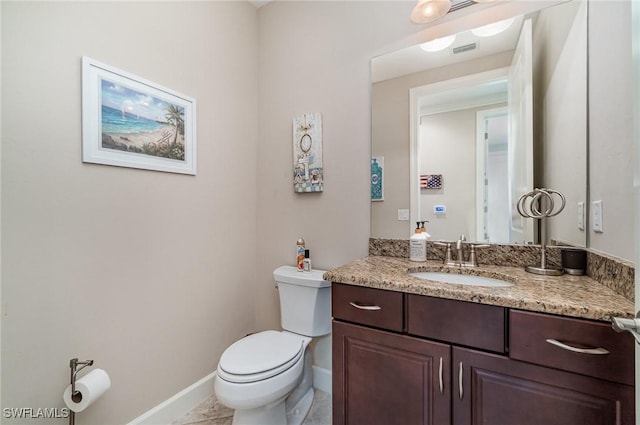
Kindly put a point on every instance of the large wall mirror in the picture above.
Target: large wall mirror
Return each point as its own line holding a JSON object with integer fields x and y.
{"x": 460, "y": 132}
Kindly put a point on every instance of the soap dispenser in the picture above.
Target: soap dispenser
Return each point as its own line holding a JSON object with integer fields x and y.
{"x": 427, "y": 236}
{"x": 418, "y": 244}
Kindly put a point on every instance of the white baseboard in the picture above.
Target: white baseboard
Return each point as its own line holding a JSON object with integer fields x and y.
{"x": 179, "y": 404}
{"x": 322, "y": 379}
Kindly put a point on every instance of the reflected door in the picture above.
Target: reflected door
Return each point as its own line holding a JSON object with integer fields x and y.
{"x": 492, "y": 190}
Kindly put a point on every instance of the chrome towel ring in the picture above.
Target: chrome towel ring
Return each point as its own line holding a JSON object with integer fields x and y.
{"x": 540, "y": 205}
{"x": 530, "y": 204}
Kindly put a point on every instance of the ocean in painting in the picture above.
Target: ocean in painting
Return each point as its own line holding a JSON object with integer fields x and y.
{"x": 138, "y": 135}
{"x": 114, "y": 121}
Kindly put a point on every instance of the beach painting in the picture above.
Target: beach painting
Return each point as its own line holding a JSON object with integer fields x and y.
{"x": 131, "y": 122}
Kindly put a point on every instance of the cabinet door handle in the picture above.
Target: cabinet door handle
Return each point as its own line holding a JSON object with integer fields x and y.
{"x": 365, "y": 307}
{"x": 460, "y": 380}
{"x": 440, "y": 377}
{"x": 576, "y": 349}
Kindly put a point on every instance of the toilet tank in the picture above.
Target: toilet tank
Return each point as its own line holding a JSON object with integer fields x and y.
{"x": 305, "y": 301}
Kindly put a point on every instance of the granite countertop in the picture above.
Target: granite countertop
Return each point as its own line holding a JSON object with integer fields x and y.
{"x": 575, "y": 296}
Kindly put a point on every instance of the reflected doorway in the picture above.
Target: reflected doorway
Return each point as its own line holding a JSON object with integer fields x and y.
{"x": 492, "y": 175}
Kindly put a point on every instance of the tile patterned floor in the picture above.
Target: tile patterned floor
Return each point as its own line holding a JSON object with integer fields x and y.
{"x": 211, "y": 412}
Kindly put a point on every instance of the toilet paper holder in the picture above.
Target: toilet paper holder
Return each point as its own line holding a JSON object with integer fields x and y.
{"x": 73, "y": 364}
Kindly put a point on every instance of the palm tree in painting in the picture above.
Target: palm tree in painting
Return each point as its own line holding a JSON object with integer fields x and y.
{"x": 174, "y": 116}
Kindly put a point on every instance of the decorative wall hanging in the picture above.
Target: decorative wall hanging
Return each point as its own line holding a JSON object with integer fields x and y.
{"x": 431, "y": 181}
{"x": 377, "y": 178}
{"x": 307, "y": 153}
{"x": 128, "y": 121}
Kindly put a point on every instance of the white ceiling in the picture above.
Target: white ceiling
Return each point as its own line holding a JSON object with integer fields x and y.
{"x": 414, "y": 59}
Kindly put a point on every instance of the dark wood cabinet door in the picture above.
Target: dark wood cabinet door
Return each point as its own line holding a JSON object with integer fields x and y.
{"x": 381, "y": 378}
{"x": 368, "y": 306}
{"x": 499, "y": 391}
{"x": 458, "y": 322}
{"x": 532, "y": 336}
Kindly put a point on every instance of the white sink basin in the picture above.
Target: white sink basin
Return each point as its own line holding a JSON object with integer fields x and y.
{"x": 461, "y": 279}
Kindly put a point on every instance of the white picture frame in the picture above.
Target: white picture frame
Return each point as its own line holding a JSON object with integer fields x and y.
{"x": 128, "y": 121}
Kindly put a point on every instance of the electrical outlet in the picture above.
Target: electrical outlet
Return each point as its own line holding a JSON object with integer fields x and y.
{"x": 581, "y": 215}
{"x": 598, "y": 221}
{"x": 403, "y": 215}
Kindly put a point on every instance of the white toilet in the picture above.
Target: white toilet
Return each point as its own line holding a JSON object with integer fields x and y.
{"x": 267, "y": 377}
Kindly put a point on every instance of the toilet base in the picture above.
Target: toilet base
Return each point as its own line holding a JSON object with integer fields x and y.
{"x": 288, "y": 410}
{"x": 299, "y": 401}
{"x": 273, "y": 414}
{"x": 276, "y": 413}
{"x": 296, "y": 415}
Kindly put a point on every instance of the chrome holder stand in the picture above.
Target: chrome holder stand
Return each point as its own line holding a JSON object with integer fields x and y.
{"x": 622, "y": 324}
{"x": 75, "y": 395}
{"x": 539, "y": 204}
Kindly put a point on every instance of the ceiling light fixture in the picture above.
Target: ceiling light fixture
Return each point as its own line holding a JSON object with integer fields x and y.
{"x": 438, "y": 44}
{"x": 492, "y": 29}
{"x": 429, "y": 10}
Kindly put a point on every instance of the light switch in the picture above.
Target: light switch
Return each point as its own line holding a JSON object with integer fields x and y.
{"x": 581, "y": 215}
{"x": 597, "y": 216}
{"x": 403, "y": 215}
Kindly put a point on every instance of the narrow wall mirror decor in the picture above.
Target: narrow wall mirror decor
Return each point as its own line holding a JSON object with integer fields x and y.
{"x": 307, "y": 153}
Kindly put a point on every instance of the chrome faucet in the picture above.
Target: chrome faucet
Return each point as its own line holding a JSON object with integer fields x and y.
{"x": 460, "y": 249}
{"x": 460, "y": 257}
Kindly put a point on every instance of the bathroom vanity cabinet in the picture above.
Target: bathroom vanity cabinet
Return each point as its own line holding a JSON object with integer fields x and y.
{"x": 412, "y": 359}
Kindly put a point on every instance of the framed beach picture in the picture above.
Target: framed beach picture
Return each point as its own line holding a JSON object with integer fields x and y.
{"x": 128, "y": 121}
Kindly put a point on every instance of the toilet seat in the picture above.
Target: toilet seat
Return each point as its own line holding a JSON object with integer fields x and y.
{"x": 260, "y": 356}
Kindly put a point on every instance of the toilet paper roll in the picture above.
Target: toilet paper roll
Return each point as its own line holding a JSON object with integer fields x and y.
{"x": 89, "y": 388}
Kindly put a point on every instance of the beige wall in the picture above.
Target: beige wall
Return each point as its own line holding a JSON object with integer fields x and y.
{"x": 150, "y": 274}
{"x": 611, "y": 125}
{"x": 560, "y": 132}
{"x": 448, "y": 146}
{"x": 314, "y": 57}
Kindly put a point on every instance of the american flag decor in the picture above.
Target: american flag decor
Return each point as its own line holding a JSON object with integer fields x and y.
{"x": 431, "y": 181}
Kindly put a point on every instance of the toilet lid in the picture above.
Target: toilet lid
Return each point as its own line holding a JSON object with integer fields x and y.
{"x": 260, "y": 356}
